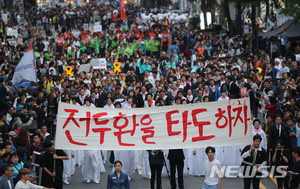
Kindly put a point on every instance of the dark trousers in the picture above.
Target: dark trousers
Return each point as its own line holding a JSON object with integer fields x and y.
{"x": 165, "y": 46}
{"x": 179, "y": 164}
{"x": 60, "y": 49}
{"x": 283, "y": 50}
{"x": 156, "y": 171}
{"x": 255, "y": 181}
{"x": 156, "y": 54}
{"x": 283, "y": 182}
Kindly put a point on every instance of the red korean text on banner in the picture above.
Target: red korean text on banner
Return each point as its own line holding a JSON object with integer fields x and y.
{"x": 243, "y": 92}
{"x": 185, "y": 126}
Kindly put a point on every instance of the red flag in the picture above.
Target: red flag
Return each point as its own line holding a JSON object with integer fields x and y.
{"x": 122, "y": 8}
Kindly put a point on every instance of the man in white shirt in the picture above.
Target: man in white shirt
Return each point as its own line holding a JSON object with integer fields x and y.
{"x": 213, "y": 174}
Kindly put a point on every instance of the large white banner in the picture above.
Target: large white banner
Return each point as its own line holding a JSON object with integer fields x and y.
{"x": 26, "y": 70}
{"x": 222, "y": 123}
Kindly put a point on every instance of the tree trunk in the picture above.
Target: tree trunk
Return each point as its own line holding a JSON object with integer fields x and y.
{"x": 227, "y": 15}
{"x": 253, "y": 12}
{"x": 204, "y": 10}
{"x": 213, "y": 16}
{"x": 267, "y": 8}
{"x": 239, "y": 15}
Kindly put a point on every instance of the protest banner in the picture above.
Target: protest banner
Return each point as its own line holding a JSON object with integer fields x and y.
{"x": 221, "y": 123}
{"x": 26, "y": 70}
{"x": 12, "y": 32}
{"x": 97, "y": 28}
{"x": 85, "y": 27}
{"x": 102, "y": 63}
{"x": 99, "y": 63}
{"x": 95, "y": 63}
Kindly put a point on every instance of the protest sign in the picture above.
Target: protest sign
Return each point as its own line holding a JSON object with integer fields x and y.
{"x": 85, "y": 68}
{"x": 12, "y": 32}
{"x": 97, "y": 28}
{"x": 85, "y": 27}
{"x": 102, "y": 63}
{"x": 99, "y": 63}
{"x": 222, "y": 123}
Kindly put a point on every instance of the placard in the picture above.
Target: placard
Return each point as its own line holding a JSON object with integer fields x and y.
{"x": 12, "y": 32}
{"x": 84, "y": 68}
{"x": 85, "y": 27}
{"x": 97, "y": 28}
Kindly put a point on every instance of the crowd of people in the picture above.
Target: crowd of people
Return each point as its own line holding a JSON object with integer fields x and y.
{"x": 164, "y": 62}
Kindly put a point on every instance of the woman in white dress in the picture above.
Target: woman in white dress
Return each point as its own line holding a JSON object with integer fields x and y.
{"x": 219, "y": 155}
{"x": 232, "y": 157}
{"x": 69, "y": 166}
{"x": 128, "y": 159}
{"x": 92, "y": 166}
{"x": 197, "y": 162}
{"x": 257, "y": 130}
{"x": 78, "y": 157}
{"x": 146, "y": 173}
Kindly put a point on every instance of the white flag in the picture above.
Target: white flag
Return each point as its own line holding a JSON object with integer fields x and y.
{"x": 26, "y": 70}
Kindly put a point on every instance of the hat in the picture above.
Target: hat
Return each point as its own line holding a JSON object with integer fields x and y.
{"x": 51, "y": 88}
{"x": 12, "y": 134}
{"x": 161, "y": 91}
{"x": 56, "y": 88}
{"x": 270, "y": 93}
{"x": 181, "y": 87}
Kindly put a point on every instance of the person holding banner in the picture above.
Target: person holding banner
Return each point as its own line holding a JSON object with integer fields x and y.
{"x": 52, "y": 164}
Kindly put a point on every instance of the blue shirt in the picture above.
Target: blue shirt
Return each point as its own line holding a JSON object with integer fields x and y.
{"x": 17, "y": 167}
{"x": 115, "y": 182}
{"x": 145, "y": 67}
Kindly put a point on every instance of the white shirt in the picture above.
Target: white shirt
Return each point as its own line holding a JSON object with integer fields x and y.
{"x": 28, "y": 185}
{"x": 9, "y": 184}
{"x": 212, "y": 178}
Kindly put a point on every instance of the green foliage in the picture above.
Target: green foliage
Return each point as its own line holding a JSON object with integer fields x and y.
{"x": 292, "y": 8}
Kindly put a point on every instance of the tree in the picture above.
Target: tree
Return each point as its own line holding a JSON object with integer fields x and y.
{"x": 292, "y": 8}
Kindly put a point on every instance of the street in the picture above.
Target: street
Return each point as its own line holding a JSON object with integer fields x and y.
{"x": 138, "y": 182}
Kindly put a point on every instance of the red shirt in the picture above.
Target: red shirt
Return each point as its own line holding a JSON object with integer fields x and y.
{"x": 165, "y": 37}
{"x": 271, "y": 108}
{"x": 115, "y": 16}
